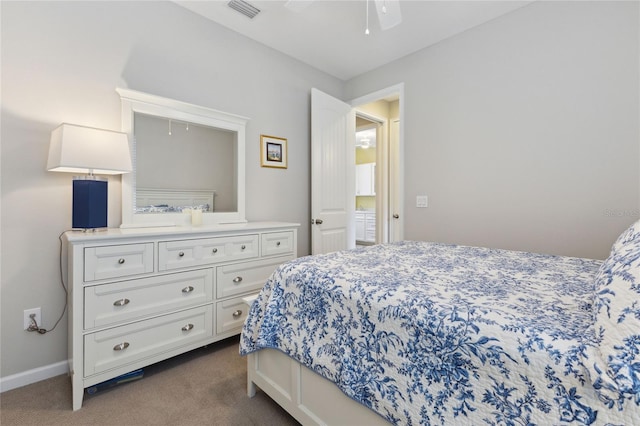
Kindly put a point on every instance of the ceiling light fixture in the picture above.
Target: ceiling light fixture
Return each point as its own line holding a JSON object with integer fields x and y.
{"x": 388, "y": 11}
{"x": 389, "y": 14}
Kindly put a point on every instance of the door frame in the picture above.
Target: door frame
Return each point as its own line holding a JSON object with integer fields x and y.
{"x": 392, "y": 202}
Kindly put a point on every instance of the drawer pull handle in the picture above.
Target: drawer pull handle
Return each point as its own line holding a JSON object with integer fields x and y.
{"x": 214, "y": 251}
{"x": 278, "y": 244}
{"x": 181, "y": 254}
{"x": 187, "y": 327}
{"x": 237, "y": 313}
{"x": 121, "y": 347}
{"x": 121, "y": 302}
{"x": 242, "y": 247}
{"x": 187, "y": 289}
{"x": 121, "y": 260}
{"x": 236, "y": 280}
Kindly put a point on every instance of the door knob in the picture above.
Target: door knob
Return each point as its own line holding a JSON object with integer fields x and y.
{"x": 396, "y": 216}
{"x": 318, "y": 221}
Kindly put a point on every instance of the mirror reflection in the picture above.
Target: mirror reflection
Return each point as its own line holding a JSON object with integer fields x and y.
{"x": 182, "y": 165}
{"x": 185, "y": 157}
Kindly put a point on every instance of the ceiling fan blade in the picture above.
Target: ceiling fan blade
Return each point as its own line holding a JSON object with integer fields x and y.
{"x": 298, "y": 5}
{"x": 388, "y": 13}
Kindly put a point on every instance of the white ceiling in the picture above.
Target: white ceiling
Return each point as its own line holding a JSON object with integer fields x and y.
{"x": 330, "y": 35}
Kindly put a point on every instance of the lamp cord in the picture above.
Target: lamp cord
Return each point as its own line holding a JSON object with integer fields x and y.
{"x": 34, "y": 325}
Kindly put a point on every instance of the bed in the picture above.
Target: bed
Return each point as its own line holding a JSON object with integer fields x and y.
{"x": 154, "y": 200}
{"x": 423, "y": 334}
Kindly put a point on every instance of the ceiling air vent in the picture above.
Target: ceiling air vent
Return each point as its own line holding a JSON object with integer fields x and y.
{"x": 247, "y": 9}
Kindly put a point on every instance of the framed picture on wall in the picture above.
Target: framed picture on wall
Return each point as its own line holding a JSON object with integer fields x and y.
{"x": 273, "y": 152}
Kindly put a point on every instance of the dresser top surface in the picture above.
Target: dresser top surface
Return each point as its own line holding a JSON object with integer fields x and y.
{"x": 174, "y": 231}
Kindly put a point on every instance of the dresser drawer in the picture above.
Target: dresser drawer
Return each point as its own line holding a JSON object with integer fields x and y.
{"x": 187, "y": 253}
{"x": 230, "y": 315}
{"x": 244, "y": 277}
{"x": 128, "y": 300}
{"x": 116, "y": 347}
{"x": 276, "y": 243}
{"x": 117, "y": 261}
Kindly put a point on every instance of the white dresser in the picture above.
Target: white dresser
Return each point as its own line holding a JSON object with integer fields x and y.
{"x": 138, "y": 296}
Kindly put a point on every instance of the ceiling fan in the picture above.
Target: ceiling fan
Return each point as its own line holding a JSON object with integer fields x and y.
{"x": 388, "y": 11}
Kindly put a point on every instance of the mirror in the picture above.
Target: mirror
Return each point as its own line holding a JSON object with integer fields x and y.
{"x": 184, "y": 157}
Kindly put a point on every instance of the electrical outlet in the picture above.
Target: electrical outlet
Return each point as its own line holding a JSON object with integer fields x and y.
{"x": 27, "y": 317}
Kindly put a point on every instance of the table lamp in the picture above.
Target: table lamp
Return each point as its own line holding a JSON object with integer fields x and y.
{"x": 80, "y": 149}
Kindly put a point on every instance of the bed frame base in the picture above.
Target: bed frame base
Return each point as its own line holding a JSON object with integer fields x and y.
{"x": 308, "y": 397}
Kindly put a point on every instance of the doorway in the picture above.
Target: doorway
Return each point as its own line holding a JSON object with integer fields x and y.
{"x": 378, "y": 217}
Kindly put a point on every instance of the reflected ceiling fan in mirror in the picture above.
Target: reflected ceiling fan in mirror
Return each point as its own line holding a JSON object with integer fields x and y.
{"x": 388, "y": 11}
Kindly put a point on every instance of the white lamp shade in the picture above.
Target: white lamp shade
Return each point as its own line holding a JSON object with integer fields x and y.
{"x": 79, "y": 149}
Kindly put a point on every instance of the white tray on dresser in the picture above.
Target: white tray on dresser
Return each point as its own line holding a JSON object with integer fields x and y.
{"x": 139, "y": 296}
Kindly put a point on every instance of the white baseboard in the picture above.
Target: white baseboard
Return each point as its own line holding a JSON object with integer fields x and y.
{"x": 32, "y": 376}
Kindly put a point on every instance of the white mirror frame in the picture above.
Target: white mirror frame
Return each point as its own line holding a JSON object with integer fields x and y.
{"x": 138, "y": 102}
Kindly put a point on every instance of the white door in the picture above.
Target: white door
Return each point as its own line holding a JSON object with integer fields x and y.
{"x": 332, "y": 174}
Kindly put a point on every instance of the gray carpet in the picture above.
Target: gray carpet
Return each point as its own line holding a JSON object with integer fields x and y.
{"x": 206, "y": 386}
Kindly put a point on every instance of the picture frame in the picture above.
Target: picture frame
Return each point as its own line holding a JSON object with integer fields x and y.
{"x": 273, "y": 152}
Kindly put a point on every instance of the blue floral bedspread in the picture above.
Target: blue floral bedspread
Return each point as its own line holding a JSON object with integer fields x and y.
{"x": 428, "y": 334}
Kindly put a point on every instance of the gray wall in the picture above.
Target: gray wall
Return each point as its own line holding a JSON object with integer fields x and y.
{"x": 61, "y": 62}
{"x": 523, "y": 132}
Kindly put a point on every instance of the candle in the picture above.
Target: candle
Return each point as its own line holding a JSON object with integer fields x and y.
{"x": 196, "y": 217}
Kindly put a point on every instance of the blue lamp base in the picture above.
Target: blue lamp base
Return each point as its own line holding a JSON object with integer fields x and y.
{"x": 89, "y": 203}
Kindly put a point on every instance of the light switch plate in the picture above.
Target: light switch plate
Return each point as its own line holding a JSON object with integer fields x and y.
{"x": 422, "y": 201}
